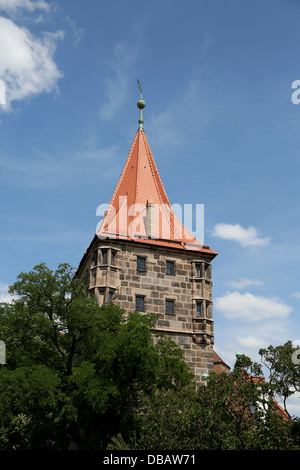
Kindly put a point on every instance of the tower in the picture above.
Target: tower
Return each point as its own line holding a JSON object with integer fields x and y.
{"x": 143, "y": 258}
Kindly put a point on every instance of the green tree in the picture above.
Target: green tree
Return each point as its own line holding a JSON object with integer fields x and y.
{"x": 283, "y": 366}
{"x": 82, "y": 376}
{"x": 233, "y": 411}
{"x": 75, "y": 371}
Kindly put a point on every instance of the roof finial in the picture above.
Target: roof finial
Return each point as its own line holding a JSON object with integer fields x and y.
{"x": 141, "y": 104}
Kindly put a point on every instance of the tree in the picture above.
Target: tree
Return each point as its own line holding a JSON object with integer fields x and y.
{"x": 75, "y": 371}
{"x": 233, "y": 411}
{"x": 283, "y": 367}
{"x": 81, "y": 376}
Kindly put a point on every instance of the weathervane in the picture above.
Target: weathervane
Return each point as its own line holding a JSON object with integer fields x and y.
{"x": 140, "y": 86}
{"x": 141, "y": 104}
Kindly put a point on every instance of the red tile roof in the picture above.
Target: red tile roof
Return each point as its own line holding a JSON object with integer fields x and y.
{"x": 139, "y": 186}
{"x": 219, "y": 365}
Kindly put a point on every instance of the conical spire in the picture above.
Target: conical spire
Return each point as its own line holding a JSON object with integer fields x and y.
{"x": 139, "y": 209}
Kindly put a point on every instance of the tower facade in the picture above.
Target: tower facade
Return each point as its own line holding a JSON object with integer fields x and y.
{"x": 143, "y": 258}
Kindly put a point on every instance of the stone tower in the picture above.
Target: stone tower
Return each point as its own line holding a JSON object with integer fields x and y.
{"x": 143, "y": 258}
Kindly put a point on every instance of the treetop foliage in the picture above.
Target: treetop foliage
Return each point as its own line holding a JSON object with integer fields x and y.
{"x": 81, "y": 376}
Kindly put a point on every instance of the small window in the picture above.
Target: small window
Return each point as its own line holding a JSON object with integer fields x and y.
{"x": 170, "y": 307}
{"x": 181, "y": 340}
{"x": 95, "y": 258}
{"x": 141, "y": 264}
{"x": 104, "y": 257}
{"x": 112, "y": 258}
{"x": 170, "y": 267}
{"x": 110, "y": 295}
{"x": 198, "y": 309}
{"x": 198, "y": 270}
{"x": 140, "y": 303}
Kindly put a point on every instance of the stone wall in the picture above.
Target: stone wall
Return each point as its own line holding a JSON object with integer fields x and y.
{"x": 182, "y": 298}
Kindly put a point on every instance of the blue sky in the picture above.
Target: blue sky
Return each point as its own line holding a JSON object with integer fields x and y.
{"x": 217, "y": 80}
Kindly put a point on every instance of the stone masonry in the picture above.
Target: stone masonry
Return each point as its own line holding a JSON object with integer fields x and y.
{"x": 173, "y": 283}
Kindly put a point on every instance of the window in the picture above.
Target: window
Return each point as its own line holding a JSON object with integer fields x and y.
{"x": 141, "y": 264}
{"x": 110, "y": 294}
{"x": 112, "y": 258}
{"x": 104, "y": 257}
{"x": 95, "y": 258}
{"x": 198, "y": 309}
{"x": 198, "y": 270}
{"x": 170, "y": 267}
{"x": 170, "y": 307}
{"x": 139, "y": 303}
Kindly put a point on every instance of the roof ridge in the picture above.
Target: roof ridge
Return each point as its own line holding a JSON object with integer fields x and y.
{"x": 137, "y": 166}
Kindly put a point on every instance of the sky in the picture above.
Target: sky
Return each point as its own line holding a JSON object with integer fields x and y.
{"x": 222, "y": 117}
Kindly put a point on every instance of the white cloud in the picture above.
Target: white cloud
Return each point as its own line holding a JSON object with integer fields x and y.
{"x": 11, "y": 6}
{"x": 4, "y": 295}
{"x": 253, "y": 342}
{"x": 296, "y": 295}
{"x": 27, "y": 67}
{"x": 293, "y": 404}
{"x": 249, "y": 307}
{"x": 243, "y": 283}
{"x": 77, "y": 33}
{"x": 116, "y": 85}
{"x": 180, "y": 116}
{"x": 244, "y": 236}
